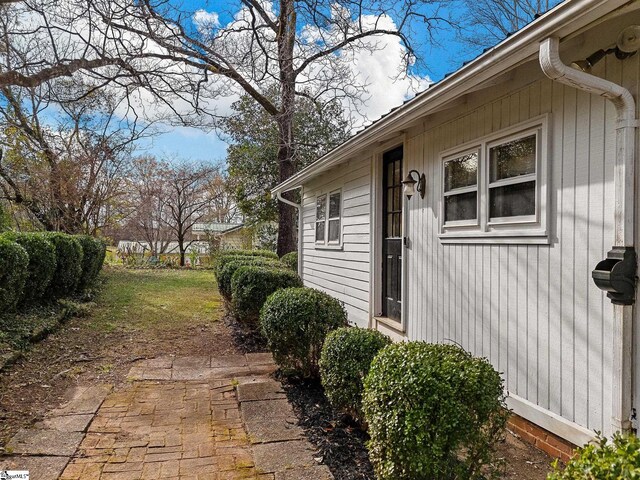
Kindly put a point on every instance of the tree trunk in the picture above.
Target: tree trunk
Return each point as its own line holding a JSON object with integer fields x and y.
{"x": 286, "y": 149}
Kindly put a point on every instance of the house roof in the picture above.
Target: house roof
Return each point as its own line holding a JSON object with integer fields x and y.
{"x": 215, "y": 227}
{"x": 564, "y": 20}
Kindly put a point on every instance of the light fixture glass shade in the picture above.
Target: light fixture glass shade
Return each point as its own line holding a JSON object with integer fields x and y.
{"x": 409, "y": 186}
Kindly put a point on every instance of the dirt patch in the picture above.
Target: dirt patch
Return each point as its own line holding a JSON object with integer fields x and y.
{"x": 246, "y": 338}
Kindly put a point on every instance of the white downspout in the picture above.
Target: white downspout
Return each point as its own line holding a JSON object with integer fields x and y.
{"x": 298, "y": 207}
{"x": 624, "y": 184}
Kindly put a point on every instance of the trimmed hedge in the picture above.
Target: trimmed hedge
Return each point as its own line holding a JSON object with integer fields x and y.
{"x": 93, "y": 253}
{"x": 69, "y": 264}
{"x": 290, "y": 260}
{"x": 42, "y": 264}
{"x": 251, "y": 285}
{"x": 434, "y": 411}
{"x": 606, "y": 460}
{"x": 250, "y": 253}
{"x": 231, "y": 264}
{"x": 344, "y": 363}
{"x": 295, "y": 322}
{"x": 14, "y": 270}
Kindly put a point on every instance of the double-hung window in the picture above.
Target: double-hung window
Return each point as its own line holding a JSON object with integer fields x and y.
{"x": 329, "y": 219}
{"x": 495, "y": 188}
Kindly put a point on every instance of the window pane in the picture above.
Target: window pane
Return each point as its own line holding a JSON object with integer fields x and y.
{"x": 334, "y": 205}
{"x": 513, "y": 200}
{"x": 320, "y": 231}
{"x": 334, "y": 230}
{"x": 463, "y": 206}
{"x": 461, "y": 172}
{"x": 321, "y": 207}
{"x": 513, "y": 159}
{"x": 397, "y": 199}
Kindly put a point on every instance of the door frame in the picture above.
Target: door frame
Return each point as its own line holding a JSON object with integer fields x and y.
{"x": 395, "y": 328}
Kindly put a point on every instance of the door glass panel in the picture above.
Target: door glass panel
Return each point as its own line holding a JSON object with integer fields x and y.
{"x": 461, "y": 172}
{"x": 513, "y": 159}
{"x": 397, "y": 198}
{"x": 513, "y": 200}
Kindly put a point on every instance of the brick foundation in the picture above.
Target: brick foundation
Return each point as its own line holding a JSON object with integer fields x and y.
{"x": 541, "y": 438}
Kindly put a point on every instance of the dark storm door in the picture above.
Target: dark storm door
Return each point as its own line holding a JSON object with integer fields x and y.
{"x": 392, "y": 234}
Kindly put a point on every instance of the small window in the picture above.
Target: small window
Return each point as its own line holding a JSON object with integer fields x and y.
{"x": 512, "y": 179}
{"x": 321, "y": 215}
{"x": 334, "y": 217}
{"x": 461, "y": 189}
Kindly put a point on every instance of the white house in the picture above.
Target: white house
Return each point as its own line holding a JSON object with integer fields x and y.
{"x": 529, "y": 182}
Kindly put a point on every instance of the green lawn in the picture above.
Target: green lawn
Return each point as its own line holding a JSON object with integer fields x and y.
{"x": 155, "y": 299}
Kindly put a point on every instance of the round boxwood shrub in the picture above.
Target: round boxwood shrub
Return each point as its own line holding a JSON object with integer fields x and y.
{"x": 604, "y": 460}
{"x": 14, "y": 264}
{"x": 344, "y": 362}
{"x": 252, "y": 284}
{"x": 229, "y": 269}
{"x": 434, "y": 411}
{"x": 295, "y": 322}
{"x": 68, "y": 265}
{"x": 290, "y": 260}
{"x": 93, "y": 253}
{"x": 42, "y": 263}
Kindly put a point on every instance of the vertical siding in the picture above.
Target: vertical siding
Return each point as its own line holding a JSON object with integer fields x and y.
{"x": 531, "y": 309}
{"x": 342, "y": 273}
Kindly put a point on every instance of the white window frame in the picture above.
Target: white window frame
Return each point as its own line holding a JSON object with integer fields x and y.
{"x": 325, "y": 243}
{"x": 318, "y": 220}
{"x": 529, "y": 229}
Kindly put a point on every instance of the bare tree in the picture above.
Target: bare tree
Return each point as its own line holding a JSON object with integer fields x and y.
{"x": 491, "y": 21}
{"x": 186, "y": 60}
{"x": 223, "y": 205}
{"x": 189, "y": 198}
{"x": 65, "y": 161}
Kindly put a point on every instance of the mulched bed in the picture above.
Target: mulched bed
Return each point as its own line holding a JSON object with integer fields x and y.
{"x": 339, "y": 441}
{"x": 246, "y": 338}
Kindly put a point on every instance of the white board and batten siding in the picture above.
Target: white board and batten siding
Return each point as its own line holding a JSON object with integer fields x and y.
{"x": 532, "y": 310}
{"x": 341, "y": 272}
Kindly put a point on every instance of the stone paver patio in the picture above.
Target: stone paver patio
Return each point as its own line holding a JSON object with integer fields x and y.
{"x": 194, "y": 418}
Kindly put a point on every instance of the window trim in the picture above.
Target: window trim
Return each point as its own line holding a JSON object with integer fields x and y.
{"x": 317, "y": 220}
{"x": 325, "y": 243}
{"x": 527, "y": 229}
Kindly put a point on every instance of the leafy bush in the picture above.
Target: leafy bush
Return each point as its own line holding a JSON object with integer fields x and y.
{"x": 231, "y": 264}
{"x": 42, "y": 263}
{"x": 93, "y": 253}
{"x": 344, "y": 362}
{"x": 252, "y": 284}
{"x": 605, "y": 460}
{"x": 290, "y": 260}
{"x": 250, "y": 253}
{"x": 434, "y": 411}
{"x": 68, "y": 266}
{"x": 14, "y": 264}
{"x": 295, "y": 322}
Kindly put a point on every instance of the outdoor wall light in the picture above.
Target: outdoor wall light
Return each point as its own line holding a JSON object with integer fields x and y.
{"x": 626, "y": 45}
{"x": 409, "y": 184}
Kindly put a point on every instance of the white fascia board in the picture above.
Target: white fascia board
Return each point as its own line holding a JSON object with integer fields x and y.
{"x": 568, "y": 17}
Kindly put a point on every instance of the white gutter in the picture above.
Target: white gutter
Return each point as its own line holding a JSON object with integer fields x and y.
{"x": 517, "y": 48}
{"x": 298, "y": 207}
{"x": 624, "y": 184}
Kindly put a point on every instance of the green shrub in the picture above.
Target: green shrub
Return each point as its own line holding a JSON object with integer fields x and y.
{"x": 230, "y": 265}
{"x": 250, "y": 253}
{"x": 434, "y": 411}
{"x": 290, "y": 260}
{"x": 42, "y": 263}
{"x": 295, "y": 322}
{"x": 68, "y": 265}
{"x": 251, "y": 285}
{"x": 605, "y": 460}
{"x": 14, "y": 264}
{"x": 344, "y": 362}
{"x": 93, "y": 253}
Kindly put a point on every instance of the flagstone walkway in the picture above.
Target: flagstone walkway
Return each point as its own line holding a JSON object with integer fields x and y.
{"x": 190, "y": 418}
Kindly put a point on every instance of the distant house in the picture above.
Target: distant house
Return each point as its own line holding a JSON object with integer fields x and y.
{"x": 526, "y": 190}
{"x": 228, "y": 235}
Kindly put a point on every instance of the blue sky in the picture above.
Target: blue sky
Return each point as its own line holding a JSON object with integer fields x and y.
{"x": 192, "y": 144}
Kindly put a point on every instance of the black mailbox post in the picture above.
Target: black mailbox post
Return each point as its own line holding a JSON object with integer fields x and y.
{"x": 617, "y": 275}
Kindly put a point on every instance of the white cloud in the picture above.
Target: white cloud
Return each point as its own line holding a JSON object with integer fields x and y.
{"x": 206, "y": 21}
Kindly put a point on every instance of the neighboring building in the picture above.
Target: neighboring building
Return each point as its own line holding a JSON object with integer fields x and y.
{"x": 229, "y": 236}
{"x": 527, "y": 187}
{"x": 142, "y": 247}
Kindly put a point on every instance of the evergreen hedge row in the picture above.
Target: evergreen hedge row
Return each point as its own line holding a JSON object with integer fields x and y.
{"x": 45, "y": 266}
